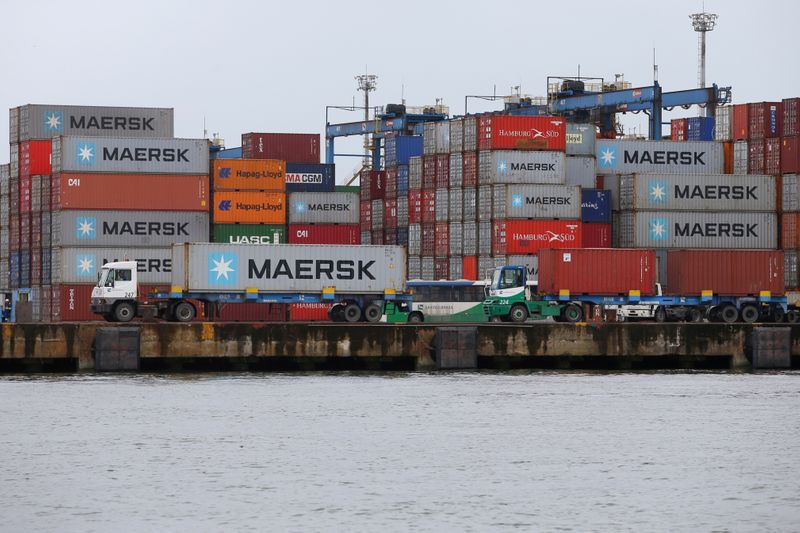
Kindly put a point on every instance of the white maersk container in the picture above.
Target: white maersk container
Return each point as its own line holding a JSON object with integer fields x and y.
{"x": 660, "y": 157}
{"x": 126, "y": 228}
{"x": 130, "y": 156}
{"x": 536, "y": 201}
{"x": 212, "y": 267}
{"x": 514, "y": 166}
{"x": 690, "y": 192}
{"x": 37, "y": 121}
{"x": 697, "y": 229}
{"x": 323, "y": 208}
{"x": 76, "y": 264}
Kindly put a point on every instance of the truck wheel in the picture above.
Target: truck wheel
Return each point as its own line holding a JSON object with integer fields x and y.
{"x": 373, "y": 312}
{"x": 660, "y": 314}
{"x": 778, "y": 314}
{"x": 124, "y": 312}
{"x": 352, "y": 312}
{"x": 416, "y": 318}
{"x": 335, "y": 313}
{"x": 184, "y": 312}
{"x": 729, "y": 314}
{"x": 793, "y": 316}
{"x": 694, "y": 315}
{"x": 572, "y": 313}
{"x": 749, "y": 313}
{"x": 518, "y": 314}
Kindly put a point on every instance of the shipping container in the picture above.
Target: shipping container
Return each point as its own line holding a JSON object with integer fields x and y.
{"x": 672, "y": 157}
{"x": 791, "y": 117}
{"x": 130, "y": 191}
{"x": 429, "y": 138}
{"x": 698, "y": 229}
{"x": 469, "y": 267}
{"x": 470, "y": 205}
{"x": 152, "y": 156}
{"x": 414, "y": 239}
{"x": 442, "y": 130}
{"x": 470, "y": 168}
{"x": 506, "y": 166}
{"x": 390, "y": 236}
{"x": 772, "y": 156}
{"x": 402, "y": 180}
{"x": 414, "y": 206}
{"x": 250, "y": 233}
{"x": 606, "y": 271}
{"x": 442, "y": 205}
{"x": 366, "y": 237}
{"x": 45, "y": 121}
{"x": 790, "y": 195}
{"x": 402, "y": 236}
{"x": 377, "y": 184}
{"x": 389, "y": 215}
{"x": 81, "y": 264}
{"x": 456, "y": 135}
{"x": 415, "y": 173}
{"x": 470, "y": 238}
{"x": 765, "y": 120}
{"x": 429, "y": 172}
{"x": 366, "y": 215}
{"x": 127, "y": 228}
{"x": 252, "y": 312}
{"x": 727, "y": 154}
{"x": 309, "y": 312}
{"x": 310, "y": 177}
{"x": 400, "y": 148}
{"x": 441, "y": 245}
{"x": 507, "y": 132}
{"x": 428, "y": 268}
{"x": 442, "y": 171}
{"x": 456, "y": 167}
{"x": 723, "y": 126}
{"x": 377, "y": 216}
{"x": 580, "y": 170}
{"x": 323, "y": 208}
{"x": 790, "y": 270}
{"x": 485, "y": 238}
{"x": 692, "y": 192}
{"x": 530, "y": 262}
{"x": 700, "y": 129}
{"x": 248, "y": 174}
{"x": 229, "y": 153}
{"x": 414, "y": 267}
{"x": 596, "y": 205}
{"x": 536, "y": 201}
{"x": 428, "y": 213}
{"x": 756, "y": 156}
{"x": 790, "y": 231}
{"x": 486, "y": 264}
{"x": 402, "y": 211}
{"x": 741, "y": 152}
{"x": 470, "y": 133}
{"x": 249, "y": 207}
{"x": 13, "y": 125}
{"x": 581, "y": 139}
{"x": 5, "y": 177}
{"x": 289, "y": 268}
{"x": 456, "y": 267}
{"x": 455, "y": 205}
{"x": 456, "y": 238}
{"x": 741, "y": 122}
{"x": 427, "y": 239}
{"x": 34, "y": 157}
{"x": 677, "y": 130}
{"x": 323, "y": 234}
{"x": 441, "y": 268}
{"x": 390, "y": 183}
{"x": 530, "y": 236}
{"x": 289, "y": 147}
{"x": 725, "y": 272}
{"x": 597, "y": 235}
{"x": 790, "y": 155}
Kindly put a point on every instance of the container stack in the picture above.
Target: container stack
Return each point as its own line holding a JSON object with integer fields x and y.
{"x": 790, "y": 198}
{"x": 399, "y": 150}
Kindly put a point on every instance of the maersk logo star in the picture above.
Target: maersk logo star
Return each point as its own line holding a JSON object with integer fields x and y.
{"x": 222, "y": 268}
{"x": 658, "y": 229}
{"x": 85, "y": 265}
{"x": 657, "y": 192}
{"x": 502, "y": 167}
{"x": 516, "y": 200}
{"x": 300, "y": 207}
{"x": 86, "y": 227}
{"x": 54, "y": 121}
{"x": 85, "y": 153}
{"x": 607, "y": 157}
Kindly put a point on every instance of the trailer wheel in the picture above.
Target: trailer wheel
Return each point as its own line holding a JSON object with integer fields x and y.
{"x": 334, "y": 313}
{"x": 729, "y": 314}
{"x": 694, "y": 315}
{"x": 352, "y": 312}
{"x": 124, "y": 312}
{"x": 373, "y": 312}
{"x": 184, "y": 312}
{"x": 778, "y": 314}
{"x": 518, "y": 314}
{"x": 416, "y": 318}
{"x": 793, "y": 316}
{"x": 572, "y": 313}
{"x": 660, "y": 314}
{"x": 749, "y": 314}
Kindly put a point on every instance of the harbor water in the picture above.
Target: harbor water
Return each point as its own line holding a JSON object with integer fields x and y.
{"x": 398, "y": 452}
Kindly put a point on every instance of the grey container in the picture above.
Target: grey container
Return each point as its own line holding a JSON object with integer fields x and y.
{"x": 415, "y": 239}
{"x": 289, "y": 268}
{"x": 5, "y": 177}
{"x": 13, "y": 162}
{"x": 81, "y": 265}
{"x": 456, "y": 267}
{"x": 723, "y": 124}
{"x": 456, "y": 137}
{"x": 790, "y": 198}
{"x": 470, "y": 133}
{"x": 13, "y": 125}
{"x": 456, "y": 238}
{"x": 5, "y": 215}
{"x": 510, "y": 166}
{"x": 377, "y": 214}
{"x": 470, "y": 238}
{"x": 662, "y": 157}
{"x": 127, "y": 228}
{"x": 581, "y": 139}
{"x": 323, "y": 208}
{"x": 36, "y": 193}
{"x": 470, "y": 210}
{"x": 402, "y": 211}
{"x": 741, "y": 156}
{"x": 442, "y": 205}
{"x": 690, "y": 192}
{"x": 442, "y": 137}
{"x": 487, "y": 264}
{"x": 47, "y": 229}
{"x": 415, "y": 172}
{"x": 456, "y": 169}
{"x": 484, "y": 203}
{"x": 427, "y": 268}
{"x": 530, "y": 262}
{"x": 581, "y": 171}
{"x": 414, "y": 267}
{"x": 484, "y": 238}
{"x": 536, "y": 201}
{"x": 429, "y": 138}
{"x": 698, "y": 229}
{"x": 790, "y": 277}
{"x": 366, "y": 237}
{"x": 611, "y": 183}
{"x": 456, "y": 205}
{"x": 130, "y": 156}
{"x": 46, "y": 121}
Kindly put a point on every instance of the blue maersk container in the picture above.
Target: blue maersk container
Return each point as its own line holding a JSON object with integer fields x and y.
{"x": 310, "y": 177}
{"x": 402, "y": 179}
{"x": 596, "y": 205}
{"x": 700, "y": 129}
{"x": 401, "y": 148}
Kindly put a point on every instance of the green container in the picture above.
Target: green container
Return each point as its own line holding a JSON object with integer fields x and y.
{"x": 347, "y": 188}
{"x": 250, "y": 233}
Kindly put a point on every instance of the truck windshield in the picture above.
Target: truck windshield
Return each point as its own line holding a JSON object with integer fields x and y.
{"x": 508, "y": 278}
{"x": 103, "y": 277}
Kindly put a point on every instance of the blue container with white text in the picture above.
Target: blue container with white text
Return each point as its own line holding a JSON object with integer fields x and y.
{"x": 596, "y": 205}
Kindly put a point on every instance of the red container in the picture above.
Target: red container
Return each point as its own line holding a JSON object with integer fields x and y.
{"x": 429, "y": 172}
{"x": 324, "y": 234}
{"x": 791, "y": 116}
{"x": 772, "y": 156}
{"x": 25, "y": 194}
{"x": 756, "y": 161}
{"x": 414, "y": 207}
{"x": 34, "y": 158}
{"x": 678, "y": 129}
{"x": 765, "y": 120}
{"x": 441, "y": 268}
{"x": 741, "y": 122}
{"x": 154, "y": 192}
{"x": 727, "y": 154}
{"x": 602, "y": 271}
{"x": 377, "y": 236}
{"x": 530, "y": 236}
{"x": 428, "y": 239}
{"x": 289, "y": 147}
{"x": 507, "y": 132}
{"x": 725, "y": 272}
{"x": 441, "y": 246}
{"x": 442, "y": 171}
{"x": 470, "y": 162}
{"x": 391, "y": 183}
{"x": 428, "y": 206}
{"x": 790, "y": 222}
{"x": 469, "y": 267}
{"x": 252, "y": 312}
{"x": 390, "y": 236}
{"x": 377, "y": 184}
{"x": 36, "y": 230}
{"x": 389, "y": 214}
{"x": 790, "y": 155}
{"x": 596, "y": 235}
{"x": 314, "y": 312}
{"x": 365, "y": 215}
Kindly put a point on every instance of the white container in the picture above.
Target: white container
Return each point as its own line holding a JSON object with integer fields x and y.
{"x": 80, "y": 265}
{"x": 442, "y": 205}
{"x": 581, "y": 171}
{"x": 47, "y": 121}
{"x": 530, "y": 262}
{"x": 536, "y": 201}
{"x": 126, "y": 229}
{"x": 581, "y": 139}
{"x": 723, "y": 123}
{"x": 456, "y": 169}
{"x": 455, "y": 205}
{"x": 512, "y": 166}
{"x": 323, "y": 208}
{"x": 741, "y": 157}
{"x": 662, "y": 157}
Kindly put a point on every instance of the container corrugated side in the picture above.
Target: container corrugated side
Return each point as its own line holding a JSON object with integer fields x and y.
{"x": 127, "y": 228}
{"x": 606, "y": 271}
{"x": 249, "y": 207}
{"x": 456, "y": 135}
{"x": 698, "y": 229}
{"x": 726, "y": 272}
{"x": 456, "y": 205}
{"x": 596, "y": 205}
{"x": 672, "y": 157}
{"x": 530, "y": 236}
{"x": 250, "y": 233}
{"x": 44, "y": 121}
{"x": 248, "y": 174}
{"x": 297, "y": 267}
{"x": 323, "y": 208}
{"x": 456, "y": 169}
{"x": 741, "y": 154}
{"x": 790, "y": 197}
{"x": 81, "y": 264}
{"x": 536, "y": 201}
{"x": 692, "y": 192}
{"x": 511, "y": 132}
{"x": 508, "y": 166}
{"x": 581, "y": 139}
{"x": 124, "y": 155}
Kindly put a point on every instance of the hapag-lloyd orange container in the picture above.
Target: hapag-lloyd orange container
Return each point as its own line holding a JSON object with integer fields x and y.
{"x": 255, "y": 207}
{"x": 249, "y": 174}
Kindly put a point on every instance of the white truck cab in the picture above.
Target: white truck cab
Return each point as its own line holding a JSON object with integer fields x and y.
{"x": 114, "y": 296}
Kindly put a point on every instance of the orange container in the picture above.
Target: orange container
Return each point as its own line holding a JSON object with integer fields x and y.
{"x": 250, "y": 207}
{"x": 727, "y": 151}
{"x": 249, "y": 174}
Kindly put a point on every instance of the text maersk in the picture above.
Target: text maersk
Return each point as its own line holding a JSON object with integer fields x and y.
{"x": 167, "y": 155}
{"x": 111, "y": 123}
{"x": 548, "y": 200}
{"x": 533, "y": 167}
{"x": 715, "y": 229}
{"x": 328, "y": 207}
{"x": 663, "y": 157}
{"x": 146, "y": 228}
{"x": 717, "y": 192}
{"x": 314, "y": 269}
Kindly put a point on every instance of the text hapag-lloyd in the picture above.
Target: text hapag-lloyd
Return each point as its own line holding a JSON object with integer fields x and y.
{"x": 263, "y": 206}
{"x": 112, "y": 123}
{"x": 257, "y": 174}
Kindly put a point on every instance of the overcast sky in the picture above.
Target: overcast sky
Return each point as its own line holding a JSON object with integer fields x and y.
{"x": 273, "y": 66}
